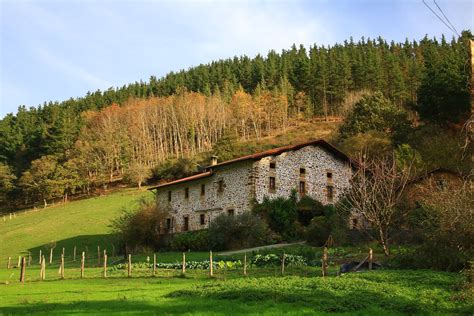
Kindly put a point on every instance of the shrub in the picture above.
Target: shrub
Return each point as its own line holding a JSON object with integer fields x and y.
{"x": 332, "y": 223}
{"x": 308, "y": 208}
{"x": 271, "y": 259}
{"x": 140, "y": 229}
{"x": 239, "y": 231}
{"x": 280, "y": 214}
{"x": 194, "y": 240}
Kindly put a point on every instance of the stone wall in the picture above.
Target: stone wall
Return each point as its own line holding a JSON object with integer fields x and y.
{"x": 316, "y": 162}
{"x": 244, "y": 182}
{"x": 235, "y": 196}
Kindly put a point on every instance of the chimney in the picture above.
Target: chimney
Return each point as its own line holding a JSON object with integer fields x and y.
{"x": 213, "y": 160}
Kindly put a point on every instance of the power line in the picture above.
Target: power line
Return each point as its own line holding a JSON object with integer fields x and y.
{"x": 446, "y": 18}
{"x": 449, "y": 27}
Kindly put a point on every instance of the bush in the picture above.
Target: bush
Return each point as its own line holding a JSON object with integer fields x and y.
{"x": 271, "y": 259}
{"x": 308, "y": 208}
{"x": 239, "y": 231}
{"x": 332, "y": 224}
{"x": 280, "y": 214}
{"x": 194, "y": 240}
{"x": 140, "y": 229}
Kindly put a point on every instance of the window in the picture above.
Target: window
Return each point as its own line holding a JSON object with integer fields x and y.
{"x": 230, "y": 212}
{"x": 329, "y": 175}
{"x": 302, "y": 188}
{"x": 202, "y": 219}
{"x": 203, "y": 189}
{"x": 272, "y": 165}
{"x": 186, "y": 193}
{"x": 302, "y": 170}
{"x": 221, "y": 186}
{"x": 329, "y": 193}
{"x": 186, "y": 223}
{"x": 168, "y": 223}
{"x": 169, "y": 196}
{"x": 272, "y": 185}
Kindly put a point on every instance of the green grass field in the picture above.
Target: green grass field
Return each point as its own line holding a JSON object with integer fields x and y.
{"x": 264, "y": 291}
{"x": 82, "y": 223}
{"x": 302, "y": 290}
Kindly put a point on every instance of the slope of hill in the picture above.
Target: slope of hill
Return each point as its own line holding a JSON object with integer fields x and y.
{"x": 82, "y": 223}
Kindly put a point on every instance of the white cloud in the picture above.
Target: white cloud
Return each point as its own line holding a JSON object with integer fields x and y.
{"x": 71, "y": 69}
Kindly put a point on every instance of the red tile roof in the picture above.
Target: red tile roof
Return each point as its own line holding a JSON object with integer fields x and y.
{"x": 257, "y": 156}
{"x": 194, "y": 177}
{"x": 279, "y": 150}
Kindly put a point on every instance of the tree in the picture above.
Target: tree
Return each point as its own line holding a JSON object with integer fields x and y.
{"x": 376, "y": 113}
{"x": 376, "y": 189}
{"x": 43, "y": 180}
{"x": 7, "y": 184}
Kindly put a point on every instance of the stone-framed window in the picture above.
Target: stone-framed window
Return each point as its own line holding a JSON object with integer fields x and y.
{"x": 302, "y": 188}
{"x": 169, "y": 196}
{"x": 231, "y": 212}
{"x": 203, "y": 189}
{"x": 169, "y": 223}
{"x": 272, "y": 184}
{"x": 272, "y": 165}
{"x": 185, "y": 223}
{"x": 329, "y": 193}
{"x": 302, "y": 171}
{"x": 220, "y": 186}
{"x": 202, "y": 219}
{"x": 186, "y": 193}
{"x": 329, "y": 175}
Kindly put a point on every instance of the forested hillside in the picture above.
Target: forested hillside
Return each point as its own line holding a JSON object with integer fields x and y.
{"x": 61, "y": 148}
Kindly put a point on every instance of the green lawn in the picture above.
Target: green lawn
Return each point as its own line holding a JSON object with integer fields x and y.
{"x": 264, "y": 291}
{"x": 82, "y": 223}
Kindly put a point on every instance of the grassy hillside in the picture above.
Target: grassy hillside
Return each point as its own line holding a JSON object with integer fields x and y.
{"x": 78, "y": 223}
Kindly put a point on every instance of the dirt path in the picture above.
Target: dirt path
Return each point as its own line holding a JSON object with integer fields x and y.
{"x": 231, "y": 252}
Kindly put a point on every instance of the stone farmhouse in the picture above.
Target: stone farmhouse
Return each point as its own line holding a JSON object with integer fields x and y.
{"x": 314, "y": 168}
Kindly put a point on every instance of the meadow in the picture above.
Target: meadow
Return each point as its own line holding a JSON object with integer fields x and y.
{"x": 264, "y": 290}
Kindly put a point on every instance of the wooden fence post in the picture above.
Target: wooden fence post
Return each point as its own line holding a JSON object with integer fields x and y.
{"x": 211, "y": 272}
{"x": 23, "y": 268}
{"x": 83, "y": 259}
{"x": 183, "y": 271}
{"x": 105, "y": 264}
{"x": 98, "y": 256}
{"x": 9, "y": 263}
{"x": 74, "y": 254}
{"x": 371, "y": 257}
{"x": 62, "y": 266}
{"x": 283, "y": 264}
{"x": 64, "y": 251}
{"x": 40, "y": 256}
{"x": 19, "y": 262}
{"x": 129, "y": 265}
{"x": 154, "y": 264}
{"x": 245, "y": 264}
{"x": 43, "y": 268}
{"x": 51, "y": 256}
{"x": 325, "y": 262}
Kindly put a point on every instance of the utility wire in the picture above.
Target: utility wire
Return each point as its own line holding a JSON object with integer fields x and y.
{"x": 446, "y": 18}
{"x": 449, "y": 27}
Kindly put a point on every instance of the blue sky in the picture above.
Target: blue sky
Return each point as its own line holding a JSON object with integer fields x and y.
{"x": 53, "y": 50}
